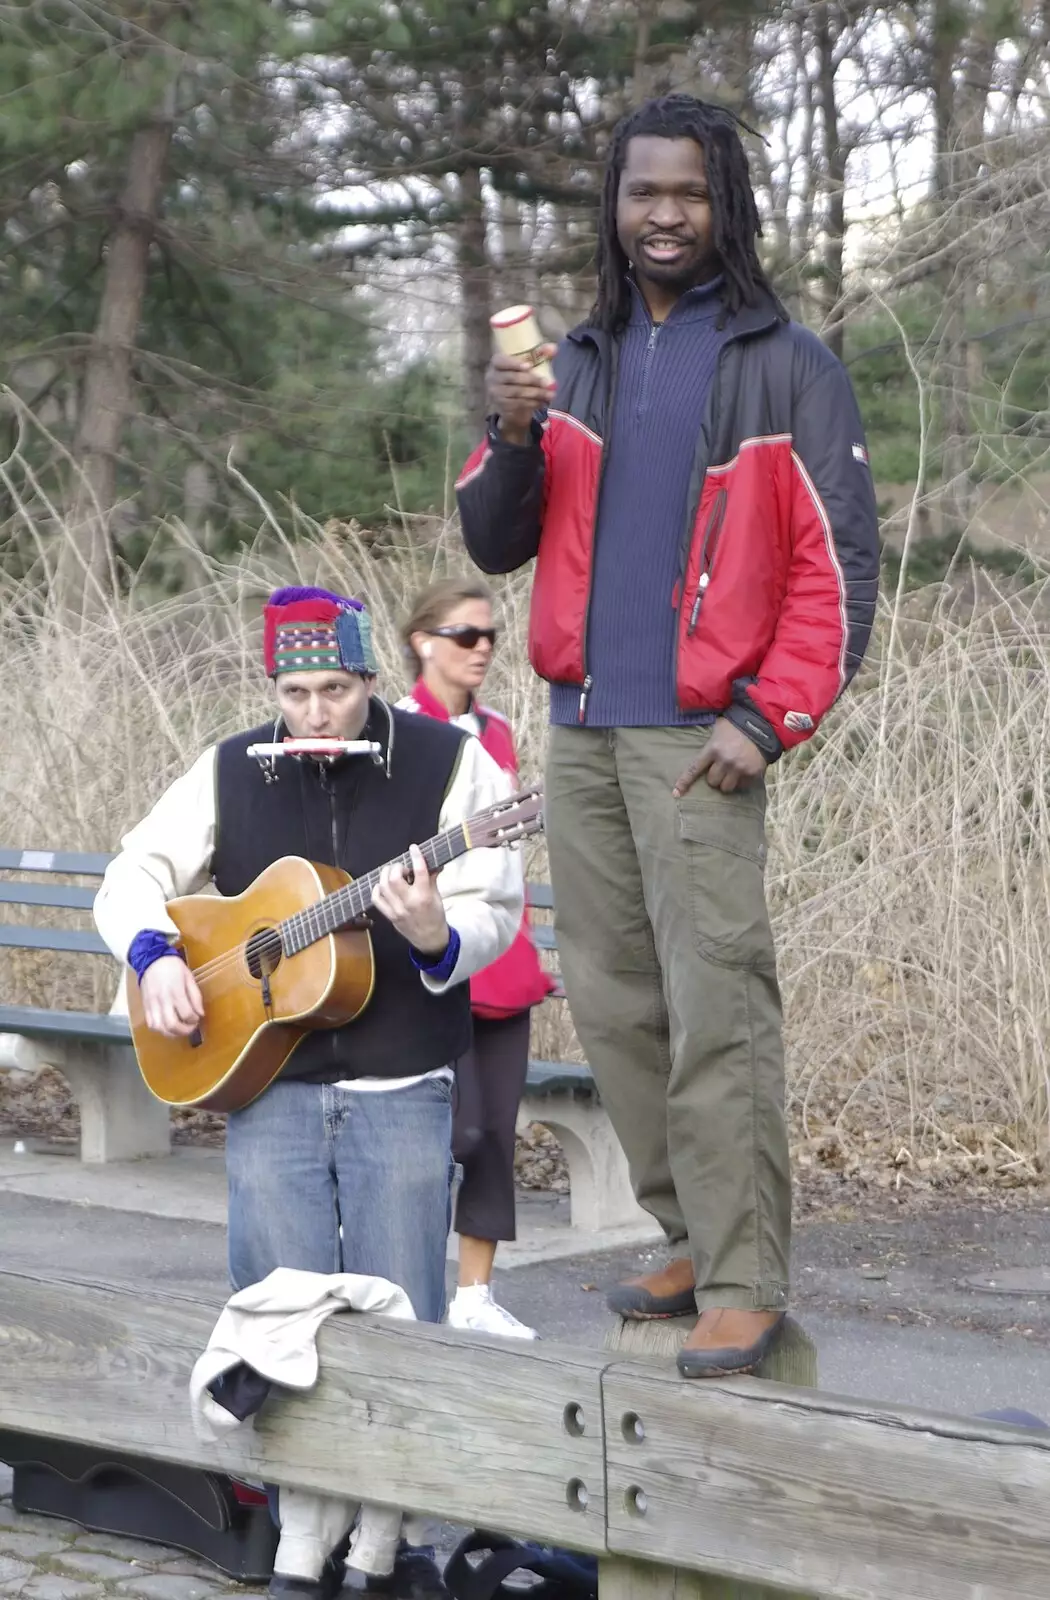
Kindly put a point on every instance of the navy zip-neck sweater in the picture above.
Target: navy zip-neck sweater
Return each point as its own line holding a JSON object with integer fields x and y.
{"x": 665, "y": 373}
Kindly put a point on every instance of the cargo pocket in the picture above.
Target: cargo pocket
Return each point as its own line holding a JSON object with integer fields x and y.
{"x": 725, "y": 847}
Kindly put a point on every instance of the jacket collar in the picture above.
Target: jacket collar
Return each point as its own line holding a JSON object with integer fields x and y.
{"x": 701, "y": 302}
{"x": 429, "y": 703}
{"x": 433, "y": 707}
{"x": 748, "y": 322}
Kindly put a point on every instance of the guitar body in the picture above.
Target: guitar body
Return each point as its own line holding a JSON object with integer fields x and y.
{"x": 242, "y": 1044}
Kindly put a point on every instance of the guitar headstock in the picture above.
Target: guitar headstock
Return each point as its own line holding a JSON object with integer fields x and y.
{"x": 515, "y": 818}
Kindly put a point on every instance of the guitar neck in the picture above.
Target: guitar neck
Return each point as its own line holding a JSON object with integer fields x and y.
{"x": 336, "y": 910}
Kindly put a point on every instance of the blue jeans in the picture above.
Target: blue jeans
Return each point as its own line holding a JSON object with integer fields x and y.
{"x": 306, "y": 1158}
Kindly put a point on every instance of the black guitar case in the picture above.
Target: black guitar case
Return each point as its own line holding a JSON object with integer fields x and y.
{"x": 204, "y": 1513}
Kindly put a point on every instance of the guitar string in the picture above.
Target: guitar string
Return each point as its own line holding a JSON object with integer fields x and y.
{"x": 352, "y": 890}
{"x": 311, "y": 920}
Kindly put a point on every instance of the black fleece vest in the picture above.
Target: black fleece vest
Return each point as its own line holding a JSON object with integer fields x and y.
{"x": 351, "y": 815}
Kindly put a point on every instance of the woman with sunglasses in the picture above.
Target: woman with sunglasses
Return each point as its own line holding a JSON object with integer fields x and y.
{"x": 449, "y": 638}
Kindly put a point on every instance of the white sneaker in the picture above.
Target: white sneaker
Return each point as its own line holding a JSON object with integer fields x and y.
{"x": 475, "y": 1310}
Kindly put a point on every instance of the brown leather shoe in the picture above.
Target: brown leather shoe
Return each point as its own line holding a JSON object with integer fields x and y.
{"x": 667, "y": 1293}
{"x": 725, "y": 1342}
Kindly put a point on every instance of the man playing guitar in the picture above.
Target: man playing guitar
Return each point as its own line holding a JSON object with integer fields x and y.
{"x": 343, "y": 1164}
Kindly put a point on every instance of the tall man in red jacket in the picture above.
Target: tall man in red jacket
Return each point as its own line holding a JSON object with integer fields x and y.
{"x": 696, "y": 489}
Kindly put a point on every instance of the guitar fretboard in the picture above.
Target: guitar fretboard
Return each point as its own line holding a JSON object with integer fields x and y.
{"x": 354, "y": 899}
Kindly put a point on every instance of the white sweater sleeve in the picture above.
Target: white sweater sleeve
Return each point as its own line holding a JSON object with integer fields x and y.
{"x": 484, "y": 890}
{"x": 167, "y": 854}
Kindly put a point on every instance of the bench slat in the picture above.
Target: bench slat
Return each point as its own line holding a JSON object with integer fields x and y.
{"x": 544, "y": 1077}
{"x": 14, "y": 937}
{"x": 91, "y": 864}
{"x": 559, "y": 1077}
{"x": 66, "y": 1024}
{"x": 75, "y": 898}
{"x": 47, "y": 894}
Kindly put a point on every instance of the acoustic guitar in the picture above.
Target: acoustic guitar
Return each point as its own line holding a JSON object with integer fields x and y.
{"x": 281, "y": 959}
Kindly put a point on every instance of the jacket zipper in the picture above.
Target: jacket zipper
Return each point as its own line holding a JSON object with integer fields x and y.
{"x": 646, "y": 366}
{"x": 329, "y": 789}
{"x": 707, "y": 557}
{"x": 588, "y": 681}
{"x": 711, "y": 410}
{"x": 700, "y": 468}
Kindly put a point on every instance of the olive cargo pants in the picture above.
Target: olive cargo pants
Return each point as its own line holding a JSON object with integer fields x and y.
{"x": 670, "y": 972}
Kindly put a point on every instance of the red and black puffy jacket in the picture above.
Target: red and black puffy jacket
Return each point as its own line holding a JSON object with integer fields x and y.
{"x": 778, "y": 572}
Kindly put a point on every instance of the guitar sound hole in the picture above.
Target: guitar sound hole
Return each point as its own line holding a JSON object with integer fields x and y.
{"x": 263, "y": 952}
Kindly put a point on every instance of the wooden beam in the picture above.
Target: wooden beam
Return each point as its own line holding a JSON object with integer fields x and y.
{"x": 623, "y": 1579}
{"x": 808, "y": 1492}
{"x": 497, "y": 1432}
{"x": 703, "y": 1491}
{"x": 793, "y": 1360}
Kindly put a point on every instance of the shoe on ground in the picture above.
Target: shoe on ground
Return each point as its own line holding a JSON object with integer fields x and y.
{"x": 474, "y": 1310}
{"x": 282, "y": 1586}
{"x": 416, "y": 1576}
{"x": 725, "y": 1342}
{"x": 666, "y": 1293}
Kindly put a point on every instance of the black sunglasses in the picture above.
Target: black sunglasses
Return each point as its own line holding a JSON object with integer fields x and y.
{"x": 464, "y": 635}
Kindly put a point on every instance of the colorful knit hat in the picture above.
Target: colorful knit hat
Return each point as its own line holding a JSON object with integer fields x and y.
{"x": 314, "y": 630}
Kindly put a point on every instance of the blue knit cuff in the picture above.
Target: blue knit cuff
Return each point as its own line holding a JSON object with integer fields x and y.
{"x": 146, "y": 948}
{"x": 439, "y": 971}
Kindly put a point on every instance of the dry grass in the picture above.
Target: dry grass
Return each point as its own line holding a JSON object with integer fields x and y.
{"x": 910, "y": 881}
{"x": 910, "y": 842}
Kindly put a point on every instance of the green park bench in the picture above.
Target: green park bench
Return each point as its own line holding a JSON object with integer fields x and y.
{"x": 121, "y": 1121}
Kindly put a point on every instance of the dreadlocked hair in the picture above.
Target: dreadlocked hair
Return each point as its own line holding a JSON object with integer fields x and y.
{"x": 734, "y": 215}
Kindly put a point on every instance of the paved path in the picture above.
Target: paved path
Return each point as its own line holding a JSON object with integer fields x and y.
{"x": 190, "y": 1186}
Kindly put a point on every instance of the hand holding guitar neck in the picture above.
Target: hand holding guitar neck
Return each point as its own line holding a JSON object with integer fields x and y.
{"x": 412, "y": 903}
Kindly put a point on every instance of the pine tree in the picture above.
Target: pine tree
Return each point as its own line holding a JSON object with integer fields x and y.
{"x": 458, "y": 108}
{"x": 165, "y": 263}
